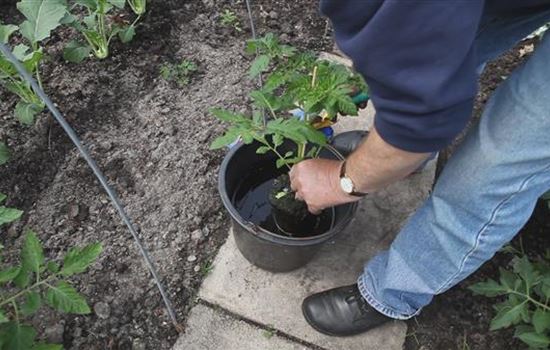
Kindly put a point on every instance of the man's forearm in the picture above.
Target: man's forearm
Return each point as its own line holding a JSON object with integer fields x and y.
{"x": 376, "y": 164}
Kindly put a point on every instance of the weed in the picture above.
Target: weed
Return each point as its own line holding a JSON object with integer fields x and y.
{"x": 180, "y": 73}
{"x": 228, "y": 18}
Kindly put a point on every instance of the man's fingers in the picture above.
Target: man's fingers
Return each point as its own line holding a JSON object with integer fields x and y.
{"x": 314, "y": 210}
{"x": 298, "y": 197}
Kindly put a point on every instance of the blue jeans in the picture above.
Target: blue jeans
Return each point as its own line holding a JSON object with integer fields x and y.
{"x": 487, "y": 190}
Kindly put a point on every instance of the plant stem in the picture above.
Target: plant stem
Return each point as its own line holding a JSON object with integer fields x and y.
{"x": 17, "y": 295}
{"x": 16, "y": 310}
{"x": 528, "y": 298}
{"x": 301, "y": 150}
{"x": 314, "y": 78}
{"x": 273, "y": 149}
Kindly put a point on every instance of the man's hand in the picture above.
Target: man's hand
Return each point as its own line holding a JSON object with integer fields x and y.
{"x": 317, "y": 182}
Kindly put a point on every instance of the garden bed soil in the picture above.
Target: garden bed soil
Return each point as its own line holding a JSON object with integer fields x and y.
{"x": 151, "y": 139}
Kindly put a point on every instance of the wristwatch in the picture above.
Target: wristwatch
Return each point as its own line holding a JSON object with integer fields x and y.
{"x": 346, "y": 183}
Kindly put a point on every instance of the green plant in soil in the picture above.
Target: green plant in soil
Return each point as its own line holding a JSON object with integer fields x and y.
{"x": 294, "y": 80}
{"x": 33, "y": 282}
{"x": 138, "y": 6}
{"x": 98, "y": 26}
{"x": 180, "y": 73}
{"x": 228, "y": 18}
{"x": 41, "y": 17}
{"x": 524, "y": 295}
{"x": 8, "y": 215}
{"x": 4, "y": 153}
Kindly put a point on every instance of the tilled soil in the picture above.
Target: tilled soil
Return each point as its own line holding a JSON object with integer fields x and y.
{"x": 151, "y": 139}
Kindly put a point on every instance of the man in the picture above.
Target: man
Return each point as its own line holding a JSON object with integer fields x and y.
{"x": 421, "y": 60}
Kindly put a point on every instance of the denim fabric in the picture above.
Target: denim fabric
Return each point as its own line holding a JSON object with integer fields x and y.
{"x": 487, "y": 190}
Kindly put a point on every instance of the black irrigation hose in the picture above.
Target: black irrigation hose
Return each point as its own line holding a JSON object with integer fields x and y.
{"x": 97, "y": 172}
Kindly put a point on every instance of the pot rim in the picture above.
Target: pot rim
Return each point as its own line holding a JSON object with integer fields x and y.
{"x": 266, "y": 234}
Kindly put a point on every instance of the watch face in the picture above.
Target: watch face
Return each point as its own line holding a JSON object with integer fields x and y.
{"x": 346, "y": 184}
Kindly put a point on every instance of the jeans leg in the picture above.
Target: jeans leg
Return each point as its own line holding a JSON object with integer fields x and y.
{"x": 484, "y": 196}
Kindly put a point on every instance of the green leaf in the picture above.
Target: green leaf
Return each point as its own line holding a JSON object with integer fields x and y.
{"x": 23, "y": 278}
{"x": 44, "y": 346}
{"x": 8, "y": 215}
{"x": 507, "y": 316}
{"x": 19, "y": 336}
{"x": 4, "y": 153}
{"x": 6, "y": 31}
{"x": 9, "y": 274}
{"x": 489, "y": 288}
{"x": 3, "y": 318}
{"x": 262, "y": 150}
{"x": 258, "y": 66}
{"x": 90, "y": 4}
{"x": 535, "y": 340}
{"x": 347, "y": 107}
{"x": 118, "y": 3}
{"x": 32, "y": 255}
{"x": 42, "y": 16}
{"x": 541, "y": 320}
{"x": 25, "y": 112}
{"x": 77, "y": 260}
{"x": 525, "y": 269}
{"x": 32, "y": 303}
{"x": 76, "y": 51}
{"x": 2, "y": 197}
{"x": 225, "y": 115}
{"x": 127, "y": 34}
{"x": 64, "y": 297}
{"x": 52, "y": 266}
{"x": 507, "y": 278}
{"x": 21, "y": 51}
{"x": 228, "y": 138}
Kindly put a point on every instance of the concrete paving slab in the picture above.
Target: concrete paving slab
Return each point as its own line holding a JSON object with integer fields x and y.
{"x": 275, "y": 299}
{"x": 208, "y": 329}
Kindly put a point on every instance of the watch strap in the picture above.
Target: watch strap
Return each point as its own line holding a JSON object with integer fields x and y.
{"x": 343, "y": 174}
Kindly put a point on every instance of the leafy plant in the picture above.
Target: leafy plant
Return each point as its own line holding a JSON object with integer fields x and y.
{"x": 180, "y": 73}
{"x": 138, "y": 6}
{"x": 4, "y": 153}
{"x": 319, "y": 89}
{"x": 35, "y": 281}
{"x": 8, "y": 215}
{"x": 525, "y": 290}
{"x": 98, "y": 27}
{"x": 41, "y": 17}
{"x": 228, "y": 18}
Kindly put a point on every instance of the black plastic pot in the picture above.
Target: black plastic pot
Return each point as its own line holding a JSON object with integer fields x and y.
{"x": 265, "y": 249}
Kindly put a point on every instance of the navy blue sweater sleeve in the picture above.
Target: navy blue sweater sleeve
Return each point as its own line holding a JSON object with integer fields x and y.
{"x": 418, "y": 60}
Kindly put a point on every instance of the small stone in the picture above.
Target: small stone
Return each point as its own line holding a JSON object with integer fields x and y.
{"x": 191, "y": 258}
{"x": 102, "y": 310}
{"x": 77, "y": 332}
{"x": 74, "y": 210}
{"x": 197, "y": 268}
{"x": 273, "y": 15}
{"x": 165, "y": 110}
{"x": 137, "y": 344}
{"x": 197, "y": 235}
{"x": 54, "y": 333}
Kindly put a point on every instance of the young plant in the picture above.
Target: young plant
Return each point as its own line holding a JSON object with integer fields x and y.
{"x": 180, "y": 73}
{"x": 98, "y": 27}
{"x": 34, "y": 281}
{"x": 319, "y": 89}
{"x": 41, "y": 17}
{"x": 4, "y": 153}
{"x": 228, "y": 18}
{"x": 8, "y": 215}
{"x": 138, "y": 6}
{"x": 525, "y": 291}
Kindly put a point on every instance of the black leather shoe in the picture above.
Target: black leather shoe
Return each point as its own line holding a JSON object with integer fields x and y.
{"x": 341, "y": 312}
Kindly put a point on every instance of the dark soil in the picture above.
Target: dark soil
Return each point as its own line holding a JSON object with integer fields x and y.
{"x": 458, "y": 319}
{"x": 151, "y": 139}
